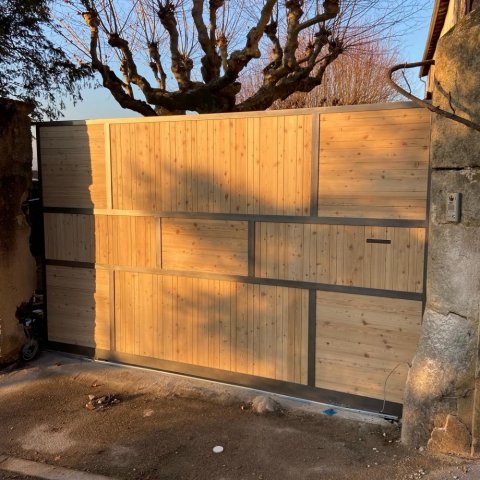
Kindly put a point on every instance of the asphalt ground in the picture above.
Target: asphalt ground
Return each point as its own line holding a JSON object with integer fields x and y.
{"x": 166, "y": 426}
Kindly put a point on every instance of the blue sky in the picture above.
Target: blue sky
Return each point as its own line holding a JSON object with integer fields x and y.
{"x": 98, "y": 103}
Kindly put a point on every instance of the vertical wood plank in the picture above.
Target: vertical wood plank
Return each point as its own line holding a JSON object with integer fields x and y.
{"x": 108, "y": 166}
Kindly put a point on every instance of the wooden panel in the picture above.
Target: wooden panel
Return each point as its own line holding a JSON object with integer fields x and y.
{"x": 374, "y": 164}
{"x": 103, "y": 239}
{"x": 205, "y": 245}
{"x": 253, "y": 329}
{"x": 242, "y": 165}
{"x": 69, "y": 237}
{"x": 341, "y": 255}
{"x": 79, "y": 306}
{"x": 361, "y": 340}
{"x": 73, "y": 166}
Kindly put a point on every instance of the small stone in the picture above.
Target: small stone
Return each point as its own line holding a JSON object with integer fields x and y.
{"x": 263, "y": 404}
{"x": 91, "y": 397}
{"x": 421, "y": 449}
{"x": 217, "y": 449}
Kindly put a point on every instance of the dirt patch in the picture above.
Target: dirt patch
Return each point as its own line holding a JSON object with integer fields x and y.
{"x": 154, "y": 434}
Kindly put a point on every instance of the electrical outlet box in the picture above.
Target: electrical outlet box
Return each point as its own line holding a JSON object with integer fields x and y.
{"x": 453, "y": 207}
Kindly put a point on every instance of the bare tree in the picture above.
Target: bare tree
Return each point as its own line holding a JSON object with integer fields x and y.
{"x": 208, "y": 45}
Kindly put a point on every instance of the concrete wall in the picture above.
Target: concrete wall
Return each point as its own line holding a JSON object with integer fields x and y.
{"x": 17, "y": 267}
{"x": 441, "y": 405}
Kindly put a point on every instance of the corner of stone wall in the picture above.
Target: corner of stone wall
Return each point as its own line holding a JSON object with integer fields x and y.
{"x": 441, "y": 398}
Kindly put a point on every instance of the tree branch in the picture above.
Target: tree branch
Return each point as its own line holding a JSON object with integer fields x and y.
{"x": 291, "y": 43}
{"x": 128, "y": 85}
{"x": 181, "y": 64}
{"x": 299, "y": 81}
{"x": 214, "y": 6}
{"x": 312, "y": 51}
{"x": 423, "y": 103}
{"x": 330, "y": 10}
{"x": 222, "y": 43}
{"x": 211, "y": 61}
{"x": 110, "y": 80}
{"x": 240, "y": 58}
{"x": 277, "y": 50}
{"x": 114, "y": 40}
{"x": 156, "y": 65}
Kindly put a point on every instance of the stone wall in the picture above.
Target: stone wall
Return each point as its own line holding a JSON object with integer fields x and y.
{"x": 441, "y": 405}
{"x": 17, "y": 267}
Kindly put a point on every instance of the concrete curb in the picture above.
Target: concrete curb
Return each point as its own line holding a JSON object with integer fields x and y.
{"x": 44, "y": 471}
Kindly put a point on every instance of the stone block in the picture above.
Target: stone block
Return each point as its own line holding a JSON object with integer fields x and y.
{"x": 444, "y": 363}
{"x": 454, "y": 438}
{"x": 453, "y": 269}
{"x": 457, "y": 70}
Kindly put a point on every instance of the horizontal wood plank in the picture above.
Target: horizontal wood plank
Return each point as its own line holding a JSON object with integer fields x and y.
{"x": 73, "y": 166}
{"x": 364, "y": 344}
{"x": 205, "y": 245}
{"x": 341, "y": 255}
{"x": 103, "y": 239}
{"x": 374, "y": 164}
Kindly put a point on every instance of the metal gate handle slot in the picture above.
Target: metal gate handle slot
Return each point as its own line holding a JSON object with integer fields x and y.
{"x": 378, "y": 240}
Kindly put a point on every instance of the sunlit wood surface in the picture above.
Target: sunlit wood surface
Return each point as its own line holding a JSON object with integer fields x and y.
{"x": 179, "y": 241}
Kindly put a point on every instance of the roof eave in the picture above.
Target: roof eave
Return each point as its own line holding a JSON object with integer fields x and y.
{"x": 438, "y": 19}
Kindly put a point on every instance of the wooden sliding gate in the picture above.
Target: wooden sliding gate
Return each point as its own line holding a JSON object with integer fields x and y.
{"x": 280, "y": 250}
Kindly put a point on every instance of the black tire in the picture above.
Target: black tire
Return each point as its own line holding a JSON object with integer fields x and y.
{"x": 30, "y": 349}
